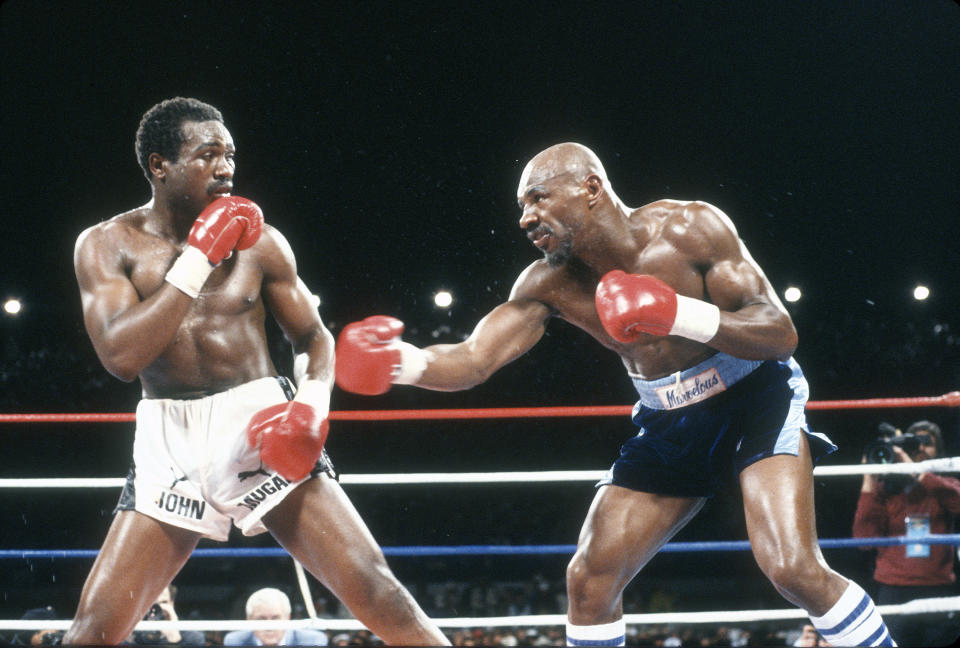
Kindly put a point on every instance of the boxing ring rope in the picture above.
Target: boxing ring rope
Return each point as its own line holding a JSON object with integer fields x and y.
{"x": 505, "y": 550}
{"x": 917, "y": 606}
{"x": 933, "y": 605}
{"x": 950, "y": 399}
{"x": 944, "y": 464}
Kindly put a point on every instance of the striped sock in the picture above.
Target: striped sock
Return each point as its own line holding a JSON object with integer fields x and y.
{"x": 853, "y": 621}
{"x": 605, "y": 634}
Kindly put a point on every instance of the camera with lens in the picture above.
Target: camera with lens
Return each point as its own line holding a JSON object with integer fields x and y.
{"x": 881, "y": 452}
{"x": 49, "y": 638}
{"x": 155, "y": 613}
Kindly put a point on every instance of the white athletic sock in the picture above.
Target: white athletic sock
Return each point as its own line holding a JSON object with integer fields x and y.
{"x": 853, "y": 621}
{"x": 605, "y": 634}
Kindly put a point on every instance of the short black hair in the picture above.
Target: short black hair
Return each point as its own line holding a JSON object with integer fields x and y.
{"x": 160, "y": 128}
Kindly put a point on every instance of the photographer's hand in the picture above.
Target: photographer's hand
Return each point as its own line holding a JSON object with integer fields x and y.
{"x": 902, "y": 457}
{"x": 869, "y": 481}
{"x": 169, "y": 614}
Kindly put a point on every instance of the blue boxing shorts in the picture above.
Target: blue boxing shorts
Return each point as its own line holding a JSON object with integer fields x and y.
{"x": 704, "y": 425}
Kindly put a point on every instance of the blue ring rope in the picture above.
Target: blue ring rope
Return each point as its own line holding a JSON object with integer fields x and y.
{"x": 502, "y": 550}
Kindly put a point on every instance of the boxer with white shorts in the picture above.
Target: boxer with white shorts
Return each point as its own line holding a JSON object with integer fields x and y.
{"x": 192, "y": 469}
{"x": 175, "y": 293}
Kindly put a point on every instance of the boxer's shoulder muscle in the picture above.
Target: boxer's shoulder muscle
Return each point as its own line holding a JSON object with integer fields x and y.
{"x": 540, "y": 282}
{"x": 683, "y": 237}
{"x": 125, "y": 235}
{"x": 700, "y": 230}
{"x": 566, "y": 291}
{"x": 274, "y": 255}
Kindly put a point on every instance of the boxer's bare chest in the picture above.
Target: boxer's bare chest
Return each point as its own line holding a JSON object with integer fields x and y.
{"x": 231, "y": 289}
{"x": 572, "y": 296}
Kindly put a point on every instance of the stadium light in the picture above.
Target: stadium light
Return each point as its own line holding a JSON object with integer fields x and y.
{"x": 443, "y": 299}
{"x": 12, "y": 306}
{"x": 792, "y": 294}
{"x": 921, "y": 292}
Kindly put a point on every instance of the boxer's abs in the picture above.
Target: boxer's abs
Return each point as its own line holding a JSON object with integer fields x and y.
{"x": 209, "y": 356}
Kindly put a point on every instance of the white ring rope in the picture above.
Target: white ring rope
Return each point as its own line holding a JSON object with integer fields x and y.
{"x": 945, "y": 464}
{"x": 918, "y": 606}
{"x": 304, "y": 588}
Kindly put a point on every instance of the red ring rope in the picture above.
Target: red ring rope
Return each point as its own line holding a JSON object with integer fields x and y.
{"x": 951, "y": 399}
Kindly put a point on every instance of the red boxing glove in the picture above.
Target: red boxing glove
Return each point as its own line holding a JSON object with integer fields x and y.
{"x": 226, "y": 223}
{"x": 630, "y": 304}
{"x": 290, "y": 437}
{"x": 371, "y": 356}
{"x": 249, "y": 210}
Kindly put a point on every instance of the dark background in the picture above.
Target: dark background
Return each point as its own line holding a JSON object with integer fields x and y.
{"x": 386, "y": 141}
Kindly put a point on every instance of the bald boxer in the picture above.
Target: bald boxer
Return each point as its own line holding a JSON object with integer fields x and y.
{"x": 672, "y": 290}
{"x": 176, "y": 293}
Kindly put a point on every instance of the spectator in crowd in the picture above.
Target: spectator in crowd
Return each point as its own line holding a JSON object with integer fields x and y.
{"x": 163, "y": 610}
{"x": 42, "y": 637}
{"x": 809, "y": 637}
{"x": 924, "y": 504}
{"x": 271, "y": 604}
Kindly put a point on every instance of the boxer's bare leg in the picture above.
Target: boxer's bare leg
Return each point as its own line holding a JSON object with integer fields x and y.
{"x": 139, "y": 557}
{"x": 319, "y": 526}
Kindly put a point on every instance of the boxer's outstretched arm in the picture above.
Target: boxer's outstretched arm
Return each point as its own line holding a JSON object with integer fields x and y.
{"x": 371, "y": 356}
{"x": 503, "y": 335}
{"x": 128, "y": 334}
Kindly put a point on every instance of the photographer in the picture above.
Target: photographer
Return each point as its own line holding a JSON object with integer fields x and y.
{"x": 37, "y": 637}
{"x": 926, "y": 503}
{"x": 162, "y": 610}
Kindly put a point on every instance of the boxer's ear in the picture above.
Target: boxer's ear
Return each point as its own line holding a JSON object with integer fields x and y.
{"x": 595, "y": 189}
{"x": 156, "y": 167}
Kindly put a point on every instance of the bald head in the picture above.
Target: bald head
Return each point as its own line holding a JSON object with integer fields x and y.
{"x": 564, "y": 193}
{"x": 568, "y": 159}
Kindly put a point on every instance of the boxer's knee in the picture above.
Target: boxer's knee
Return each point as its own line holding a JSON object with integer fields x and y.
{"x": 802, "y": 580}
{"x": 593, "y": 594}
{"x": 377, "y": 590}
{"x": 103, "y": 617}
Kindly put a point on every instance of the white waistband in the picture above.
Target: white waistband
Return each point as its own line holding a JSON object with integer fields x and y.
{"x": 712, "y": 376}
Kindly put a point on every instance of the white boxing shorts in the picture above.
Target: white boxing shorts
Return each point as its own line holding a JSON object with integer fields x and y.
{"x": 193, "y": 468}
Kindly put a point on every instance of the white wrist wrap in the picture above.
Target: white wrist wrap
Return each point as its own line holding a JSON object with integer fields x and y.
{"x": 316, "y": 394}
{"x": 413, "y": 362}
{"x": 696, "y": 320}
{"x": 190, "y": 271}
